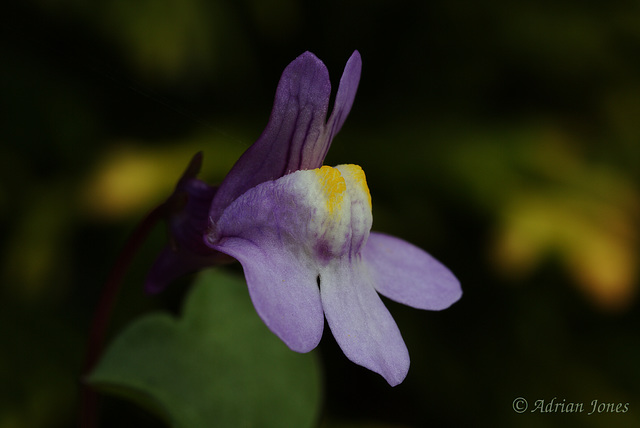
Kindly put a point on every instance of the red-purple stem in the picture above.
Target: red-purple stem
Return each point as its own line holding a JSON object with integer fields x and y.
{"x": 100, "y": 323}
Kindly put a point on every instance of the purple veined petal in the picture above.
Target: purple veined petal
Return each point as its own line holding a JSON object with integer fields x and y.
{"x": 297, "y": 119}
{"x": 283, "y": 290}
{"x": 360, "y": 322}
{"x": 409, "y": 275}
{"x": 296, "y": 136}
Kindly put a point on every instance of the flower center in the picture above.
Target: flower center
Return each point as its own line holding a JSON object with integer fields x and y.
{"x": 342, "y": 202}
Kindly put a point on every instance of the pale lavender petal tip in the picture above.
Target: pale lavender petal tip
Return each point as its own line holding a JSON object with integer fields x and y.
{"x": 409, "y": 275}
{"x": 360, "y": 322}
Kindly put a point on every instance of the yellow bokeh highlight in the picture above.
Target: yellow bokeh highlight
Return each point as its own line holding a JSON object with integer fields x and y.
{"x": 596, "y": 242}
{"x": 134, "y": 176}
{"x": 131, "y": 180}
{"x": 555, "y": 203}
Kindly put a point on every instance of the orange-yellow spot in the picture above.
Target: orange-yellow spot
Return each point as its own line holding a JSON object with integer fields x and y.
{"x": 332, "y": 186}
{"x": 356, "y": 176}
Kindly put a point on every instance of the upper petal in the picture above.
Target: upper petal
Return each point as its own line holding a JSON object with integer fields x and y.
{"x": 297, "y": 119}
{"x": 345, "y": 97}
{"x": 359, "y": 321}
{"x": 296, "y": 136}
{"x": 409, "y": 275}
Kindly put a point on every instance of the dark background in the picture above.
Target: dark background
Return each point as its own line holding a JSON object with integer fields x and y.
{"x": 502, "y": 137}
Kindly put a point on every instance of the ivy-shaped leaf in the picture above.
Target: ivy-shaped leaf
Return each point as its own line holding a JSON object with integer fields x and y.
{"x": 218, "y": 365}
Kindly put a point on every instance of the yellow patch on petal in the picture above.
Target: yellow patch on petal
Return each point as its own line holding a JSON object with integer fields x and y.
{"x": 333, "y": 187}
{"x": 354, "y": 175}
{"x": 338, "y": 205}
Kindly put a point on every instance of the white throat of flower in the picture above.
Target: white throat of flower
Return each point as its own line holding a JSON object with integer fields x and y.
{"x": 341, "y": 207}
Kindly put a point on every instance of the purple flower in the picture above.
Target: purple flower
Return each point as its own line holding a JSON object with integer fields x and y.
{"x": 302, "y": 232}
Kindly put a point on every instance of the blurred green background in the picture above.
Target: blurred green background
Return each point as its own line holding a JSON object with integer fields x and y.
{"x": 502, "y": 137}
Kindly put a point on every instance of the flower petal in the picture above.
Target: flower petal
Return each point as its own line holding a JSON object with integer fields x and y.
{"x": 408, "y": 275}
{"x": 345, "y": 97}
{"x": 270, "y": 230}
{"x": 361, "y": 324}
{"x": 297, "y": 120}
{"x": 283, "y": 290}
{"x": 296, "y": 137}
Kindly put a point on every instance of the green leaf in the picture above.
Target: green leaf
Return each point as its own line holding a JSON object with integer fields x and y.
{"x": 218, "y": 365}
